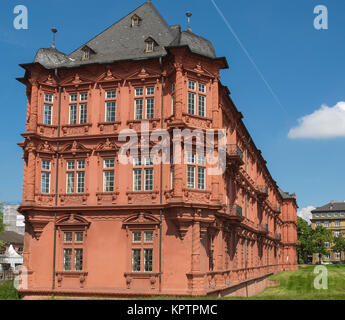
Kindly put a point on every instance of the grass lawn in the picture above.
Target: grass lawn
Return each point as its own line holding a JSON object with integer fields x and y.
{"x": 8, "y": 292}
{"x": 297, "y": 285}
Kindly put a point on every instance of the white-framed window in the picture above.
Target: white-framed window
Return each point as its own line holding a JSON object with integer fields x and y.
{"x": 196, "y": 164}
{"x": 73, "y": 97}
{"x": 110, "y": 111}
{"x": 147, "y": 111}
{"x": 196, "y": 98}
{"x": 317, "y": 215}
{"x": 335, "y": 214}
{"x": 148, "y": 236}
{"x": 83, "y": 113}
{"x": 143, "y": 169}
{"x": 139, "y": 92}
{"x": 83, "y": 96}
{"x": 68, "y": 237}
{"x": 73, "y": 251}
{"x": 73, "y": 114}
{"x": 326, "y": 244}
{"x": 78, "y": 108}
{"x": 48, "y": 114}
{"x": 318, "y": 223}
{"x": 337, "y": 255}
{"x": 45, "y": 176}
{"x": 142, "y": 251}
{"x": 337, "y": 233}
{"x": 110, "y": 106}
{"x": 136, "y": 236}
{"x": 342, "y": 214}
{"x": 337, "y": 223}
{"x": 326, "y": 256}
{"x": 75, "y": 172}
{"x": 108, "y": 175}
{"x": 329, "y": 214}
{"x": 150, "y": 108}
{"x": 323, "y": 214}
{"x": 150, "y": 91}
{"x": 48, "y": 98}
{"x": 326, "y": 224}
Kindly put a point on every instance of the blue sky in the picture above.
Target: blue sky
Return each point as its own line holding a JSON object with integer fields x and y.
{"x": 304, "y": 66}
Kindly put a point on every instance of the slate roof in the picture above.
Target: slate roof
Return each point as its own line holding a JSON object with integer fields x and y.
{"x": 285, "y": 195}
{"x": 335, "y": 206}
{"x": 121, "y": 42}
{"x": 11, "y": 237}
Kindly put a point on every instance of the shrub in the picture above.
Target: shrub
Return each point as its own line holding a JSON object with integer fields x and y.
{"x": 8, "y": 291}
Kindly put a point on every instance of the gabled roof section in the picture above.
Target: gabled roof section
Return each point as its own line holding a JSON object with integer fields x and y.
{"x": 121, "y": 41}
{"x": 332, "y": 206}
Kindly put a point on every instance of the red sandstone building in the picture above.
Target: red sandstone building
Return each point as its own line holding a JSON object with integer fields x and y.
{"x": 97, "y": 227}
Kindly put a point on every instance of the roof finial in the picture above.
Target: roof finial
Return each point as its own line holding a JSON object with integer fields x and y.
{"x": 189, "y": 14}
{"x": 54, "y": 30}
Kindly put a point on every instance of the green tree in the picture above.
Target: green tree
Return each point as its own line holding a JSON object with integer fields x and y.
{"x": 305, "y": 241}
{"x": 338, "y": 244}
{"x": 319, "y": 236}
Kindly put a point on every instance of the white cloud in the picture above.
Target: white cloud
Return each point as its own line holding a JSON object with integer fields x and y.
{"x": 305, "y": 213}
{"x": 326, "y": 122}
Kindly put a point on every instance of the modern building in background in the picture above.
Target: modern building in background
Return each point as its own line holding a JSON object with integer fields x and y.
{"x": 330, "y": 216}
{"x": 96, "y": 226}
{"x": 13, "y": 220}
{"x": 13, "y": 238}
{"x": 11, "y": 253}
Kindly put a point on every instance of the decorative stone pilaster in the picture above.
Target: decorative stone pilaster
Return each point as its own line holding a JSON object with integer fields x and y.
{"x": 31, "y": 172}
{"x": 179, "y": 92}
{"x": 32, "y": 125}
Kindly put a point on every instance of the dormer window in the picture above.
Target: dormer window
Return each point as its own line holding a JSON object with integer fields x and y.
{"x": 86, "y": 55}
{"x": 150, "y": 44}
{"x": 86, "y": 52}
{"x": 135, "y": 21}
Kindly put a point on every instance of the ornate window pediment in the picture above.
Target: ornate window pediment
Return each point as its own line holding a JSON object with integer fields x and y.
{"x": 72, "y": 221}
{"x": 141, "y": 219}
{"x": 74, "y": 148}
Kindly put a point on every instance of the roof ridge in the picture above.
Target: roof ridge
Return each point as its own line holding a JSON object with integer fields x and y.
{"x": 115, "y": 23}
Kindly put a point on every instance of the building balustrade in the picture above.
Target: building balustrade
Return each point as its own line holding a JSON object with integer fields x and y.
{"x": 237, "y": 211}
{"x": 262, "y": 189}
{"x": 234, "y": 155}
{"x": 225, "y": 278}
{"x": 263, "y": 228}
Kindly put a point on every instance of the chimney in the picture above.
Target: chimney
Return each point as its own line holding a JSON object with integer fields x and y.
{"x": 54, "y": 31}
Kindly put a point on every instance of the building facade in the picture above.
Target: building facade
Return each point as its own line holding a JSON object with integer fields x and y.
{"x": 330, "y": 216}
{"x": 97, "y": 226}
{"x": 13, "y": 220}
